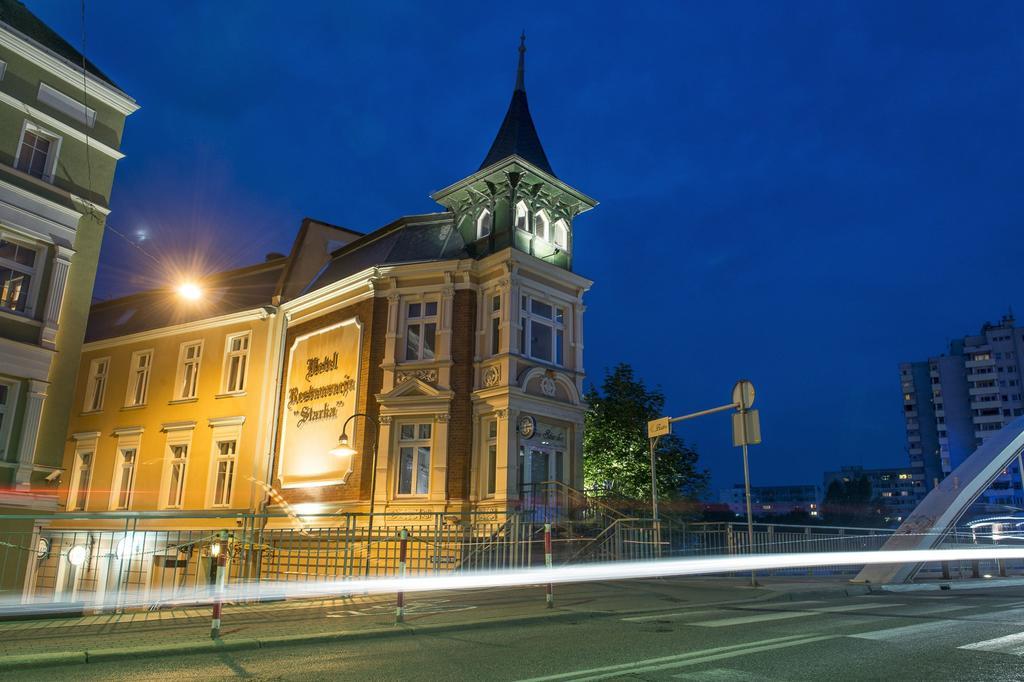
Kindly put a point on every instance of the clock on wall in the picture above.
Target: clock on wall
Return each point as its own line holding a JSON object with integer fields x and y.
{"x": 527, "y": 426}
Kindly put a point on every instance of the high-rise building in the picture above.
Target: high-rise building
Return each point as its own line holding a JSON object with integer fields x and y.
{"x": 953, "y": 402}
{"x": 61, "y": 120}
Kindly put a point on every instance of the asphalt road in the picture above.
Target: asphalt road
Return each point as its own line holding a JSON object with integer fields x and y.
{"x": 934, "y": 636}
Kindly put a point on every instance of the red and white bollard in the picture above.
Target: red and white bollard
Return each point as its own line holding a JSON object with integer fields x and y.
{"x": 218, "y": 600}
{"x": 547, "y": 562}
{"x": 403, "y": 544}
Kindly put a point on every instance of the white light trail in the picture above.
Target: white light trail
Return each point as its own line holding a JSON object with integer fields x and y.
{"x": 264, "y": 590}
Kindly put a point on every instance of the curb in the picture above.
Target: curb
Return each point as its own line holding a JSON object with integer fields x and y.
{"x": 60, "y": 658}
{"x": 968, "y": 584}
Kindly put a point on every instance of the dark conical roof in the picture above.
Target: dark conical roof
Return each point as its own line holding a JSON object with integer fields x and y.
{"x": 517, "y": 135}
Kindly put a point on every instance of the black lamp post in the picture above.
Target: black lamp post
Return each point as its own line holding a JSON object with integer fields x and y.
{"x": 343, "y": 449}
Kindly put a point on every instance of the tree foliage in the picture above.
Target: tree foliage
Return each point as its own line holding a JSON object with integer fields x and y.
{"x": 615, "y": 447}
{"x": 851, "y": 503}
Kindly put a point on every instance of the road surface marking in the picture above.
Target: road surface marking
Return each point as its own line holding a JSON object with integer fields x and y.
{"x": 1011, "y": 615}
{"x": 760, "y": 618}
{"x": 943, "y": 608}
{"x": 907, "y": 631}
{"x": 664, "y": 616}
{"x": 723, "y": 674}
{"x": 680, "y": 660}
{"x": 1010, "y": 644}
{"x": 853, "y": 607}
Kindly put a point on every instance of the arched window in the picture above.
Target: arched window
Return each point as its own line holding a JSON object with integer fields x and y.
{"x": 542, "y": 225}
{"x": 483, "y": 223}
{"x": 522, "y": 217}
{"x": 561, "y": 235}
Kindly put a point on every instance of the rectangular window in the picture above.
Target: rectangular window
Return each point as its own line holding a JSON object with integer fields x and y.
{"x": 17, "y": 273}
{"x": 224, "y": 472}
{"x": 96, "y": 385}
{"x": 177, "y": 466}
{"x": 543, "y": 331}
{"x": 80, "y": 480}
{"x": 126, "y": 482}
{"x": 138, "y": 378}
{"x": 495, "y": 325}
{"x": 414, "y": 459}
{"x": 37, "y": 154}
{"x": 492, "y": 455}
{"x": 188, "y": 370}
{"x": 420, "y": 330}
{"x": 236, "y": 361}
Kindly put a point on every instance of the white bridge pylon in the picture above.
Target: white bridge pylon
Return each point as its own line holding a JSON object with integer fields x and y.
{"x": 940, "y": 510}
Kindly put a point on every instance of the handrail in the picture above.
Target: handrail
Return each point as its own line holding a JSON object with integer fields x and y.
{"x": 580, "y": 495}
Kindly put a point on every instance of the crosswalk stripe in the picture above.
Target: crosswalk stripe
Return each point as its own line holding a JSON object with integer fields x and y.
{"x": 853, "y": 607}
{"x": 1011, "y": 615}
{"x": 905, "y": 632}
{"x": 666, "y": 616}
{"x": 1010, "y": 644}
{"x": 760, "y": 618}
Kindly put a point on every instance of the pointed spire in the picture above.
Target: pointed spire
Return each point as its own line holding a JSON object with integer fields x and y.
{"x": 517, "y": 135}
{"x": 520, "y": 81}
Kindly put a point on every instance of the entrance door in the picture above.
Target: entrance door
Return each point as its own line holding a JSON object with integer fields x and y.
{"x": 540, "y": 468}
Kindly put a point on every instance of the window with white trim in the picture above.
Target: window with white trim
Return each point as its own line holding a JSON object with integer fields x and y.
{"x": 495, "y": 328}
{"x": 225, "y": 459}
{"x": 414, "y": 443}
{"x": 484, "y": 222}
{"x": 542, "y": 225}
{"x": 96, "y": 384}
{"x": 67, "y": 105}
{"x": 138, "y": 378}
{"x": 187, "y": 379}
{"x": 7, "y": 395}
{"x": 177, "y": 468}
{"x": 124, "y": 485}
{"x": 236, "y": 362}
{"x": 542, "y": 336}
{"x": 37, "y": 152}
{"x": 491, "y": 452}
{"x": 81, "y": 476}
{"x": 560, "y": 236}
{"x": 420, "y": 330}
{"x": 522, "y": 217}
{"x": 18, "y": 274}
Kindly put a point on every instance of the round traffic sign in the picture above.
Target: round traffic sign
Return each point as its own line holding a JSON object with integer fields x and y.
{"x": 743, "y": 394}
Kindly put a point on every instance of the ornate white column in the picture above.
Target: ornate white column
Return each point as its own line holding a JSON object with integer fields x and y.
{"x": 504, "y": 459}
{"x": 55, "y": 296}
{"x": 383, "y": 484}
{"x": 391, "y": 342}
{"x": 439, "y": 459}
{"x": 30, "y": 432}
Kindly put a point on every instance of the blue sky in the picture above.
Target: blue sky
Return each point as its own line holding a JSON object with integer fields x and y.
{"x": 804, "y": 194}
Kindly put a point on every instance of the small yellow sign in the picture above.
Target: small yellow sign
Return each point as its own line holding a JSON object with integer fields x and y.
{"x": 658, "y": 427}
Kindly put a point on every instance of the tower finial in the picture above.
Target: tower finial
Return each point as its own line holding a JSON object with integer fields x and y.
{"x": 520, "y": 81}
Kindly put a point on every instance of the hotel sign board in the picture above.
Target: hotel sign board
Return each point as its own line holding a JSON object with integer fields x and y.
{"x": 321, "y": 385}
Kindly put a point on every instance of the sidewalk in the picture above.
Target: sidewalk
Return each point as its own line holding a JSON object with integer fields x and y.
{"x": 64, "y": 640}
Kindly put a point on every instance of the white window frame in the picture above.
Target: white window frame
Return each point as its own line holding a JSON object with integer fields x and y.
{"x": 85, "y": 444}
{"x": 521, "y": 217}
{"x": 176, "y": 436}
{"x": 183, "y": 365}
{"x": 494, "y": 324}
{"x": 128, "y": 440}
{"x": 35, "y": 272}
{"x": 229, "y": 356}
{"x": 423, "y": 320}
{"x": 52, "y": 155}
{"x": 224, "y": 429}
{"x": 490, "y": 456}
{"x": 484, "y": 223}
{"x": 137, "y": 377}
{"x": 527, "y": 317}
{"x": 96, "y": 385}
{"x": 416, "y": 443}
{"x": 560, "y": 234}
{"x": 7, "y": 409}
{"x": 542, "y": 225}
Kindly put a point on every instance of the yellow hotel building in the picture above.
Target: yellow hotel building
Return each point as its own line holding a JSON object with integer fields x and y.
{"x": 447, "y": 347}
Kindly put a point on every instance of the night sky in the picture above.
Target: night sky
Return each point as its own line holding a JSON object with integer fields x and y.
{"x": 802, "y": 194}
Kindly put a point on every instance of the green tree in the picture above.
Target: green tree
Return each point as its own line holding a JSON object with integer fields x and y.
{"x": 851, "y": 503}
{"x": 615, "y": 447}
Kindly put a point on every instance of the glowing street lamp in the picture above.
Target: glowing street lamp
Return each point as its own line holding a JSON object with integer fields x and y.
{"x": 344, "y": 449}
{"x": 190, "y": 291}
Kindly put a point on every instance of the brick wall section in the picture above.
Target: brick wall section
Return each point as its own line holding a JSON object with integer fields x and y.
{"x": 373, "y": 315}
{"x": 460, "y": 428}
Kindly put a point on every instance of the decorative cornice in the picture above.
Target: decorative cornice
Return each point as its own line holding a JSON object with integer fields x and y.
{"x": 60, "y": 126}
